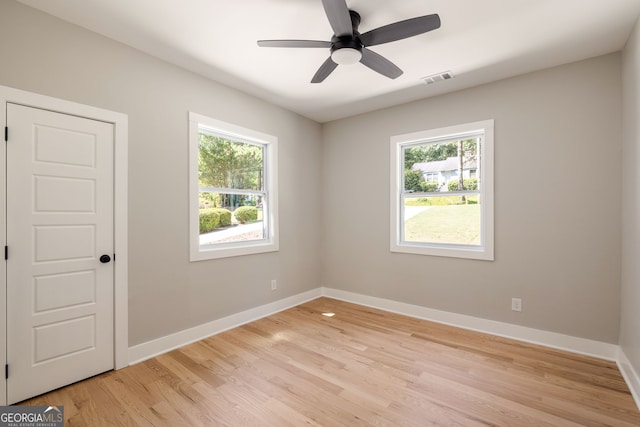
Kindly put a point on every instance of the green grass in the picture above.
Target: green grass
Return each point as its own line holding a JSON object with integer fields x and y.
{"x": 439, "y": 200}
{"x": 453, "y": 224}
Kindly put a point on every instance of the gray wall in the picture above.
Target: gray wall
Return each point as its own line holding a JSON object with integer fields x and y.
{"x": 630, "y": 314}
{"x": 557, "y": 211}
{"x": 167, "y": 293}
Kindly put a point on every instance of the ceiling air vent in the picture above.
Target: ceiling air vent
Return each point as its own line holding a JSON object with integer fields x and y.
{"x": 446, "y": 75}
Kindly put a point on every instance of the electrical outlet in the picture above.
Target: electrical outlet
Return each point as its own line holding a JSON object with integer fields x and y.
{"x": 516, "y": 304}
{"x": 274, "y": 285}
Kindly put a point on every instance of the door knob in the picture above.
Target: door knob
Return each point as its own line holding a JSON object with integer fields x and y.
{"x": 105, "y": 258}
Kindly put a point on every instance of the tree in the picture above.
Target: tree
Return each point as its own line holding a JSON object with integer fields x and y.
{"x": 460, "y": 166}
{"x": 413, "y": 155}
{"x": 463, "y": 199}
{"x": 227, "y": 164}
{"x": 467, "y": 153}
{"x": 413, "y": 180}
{"x": 428, "y": 153}
{"x": 472, "y": 154}
{"x": 437, "y": 152}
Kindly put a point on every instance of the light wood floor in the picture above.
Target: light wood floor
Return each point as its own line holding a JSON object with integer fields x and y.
{"x": 359, "y": 367}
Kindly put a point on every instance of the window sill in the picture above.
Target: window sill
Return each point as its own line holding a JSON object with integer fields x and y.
{"x": 451, "y": 251}
{"x": 202, "y": 253}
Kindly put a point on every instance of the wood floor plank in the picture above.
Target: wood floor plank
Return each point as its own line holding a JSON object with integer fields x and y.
{"x": 360, "y": 367}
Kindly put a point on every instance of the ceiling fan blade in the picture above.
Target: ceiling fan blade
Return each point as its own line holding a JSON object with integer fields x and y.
{"x": 293, "y": 43}
{"x": 339, "y": 17}
{"x": 380, "y": 64}
{"x": 401, "y": 30}
{"x": 323, "y": 72}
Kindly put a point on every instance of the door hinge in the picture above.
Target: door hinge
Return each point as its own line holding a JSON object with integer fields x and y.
{"x": 6, "y": 252}
{"x": 6, "y": 372}
{"x": 6, "y": 133}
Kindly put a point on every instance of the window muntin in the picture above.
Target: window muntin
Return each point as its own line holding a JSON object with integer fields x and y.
{"x": 442, "y": 201}
{"x": 233, "y": 190}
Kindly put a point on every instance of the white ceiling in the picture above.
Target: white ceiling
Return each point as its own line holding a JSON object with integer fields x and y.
{"x": 479, "y": 41}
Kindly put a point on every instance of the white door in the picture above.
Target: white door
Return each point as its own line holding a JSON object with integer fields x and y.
{"x": 59, "y": 224}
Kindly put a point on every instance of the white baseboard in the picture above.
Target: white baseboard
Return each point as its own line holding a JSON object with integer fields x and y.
{"x": 521, "y": 333}
{"x": 149, "y": 349}
{"x": 630, "y": 376}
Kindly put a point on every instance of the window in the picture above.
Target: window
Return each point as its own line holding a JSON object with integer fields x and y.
{"x": 431, "y": 177}
{"x": 233, "y": 184}
{"x": 452, "y": 216}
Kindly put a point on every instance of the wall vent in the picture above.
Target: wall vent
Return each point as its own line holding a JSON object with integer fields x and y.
{"x": 446, "y": 75}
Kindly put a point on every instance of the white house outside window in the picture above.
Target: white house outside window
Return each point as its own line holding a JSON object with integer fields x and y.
{"x": 442, "y": 191}
{"x": 233, "y": 184}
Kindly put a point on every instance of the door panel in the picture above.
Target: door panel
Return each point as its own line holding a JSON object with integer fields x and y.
{"x": 64, "y": 338}
{"x": 59, "y": 222}
{"x": 60, "y": 243}
{"x": 64, "y": 146}
{"x": 57, "y": 291}
{"x": 55, "y": 194}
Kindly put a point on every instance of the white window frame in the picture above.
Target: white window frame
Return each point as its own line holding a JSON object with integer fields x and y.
{"x": 485, "y": 250}
{"x": 270, "y": 198}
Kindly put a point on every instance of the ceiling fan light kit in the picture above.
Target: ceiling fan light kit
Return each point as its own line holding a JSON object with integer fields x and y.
{"x": 348, "y": 46}
{"x": 346, "y": 56}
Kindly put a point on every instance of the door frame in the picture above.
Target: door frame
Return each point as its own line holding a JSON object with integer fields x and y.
{"x": 121, "y": 295}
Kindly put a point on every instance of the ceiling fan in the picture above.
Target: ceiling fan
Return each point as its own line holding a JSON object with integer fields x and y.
{"x": 348, "y": 46}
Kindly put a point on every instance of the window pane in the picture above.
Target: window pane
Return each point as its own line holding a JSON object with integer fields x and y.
{"x": 441, "y": 167}
{"x": 443, "y": 219}
{"x": 224, "y": 163}
{"x": 228, "y": 218}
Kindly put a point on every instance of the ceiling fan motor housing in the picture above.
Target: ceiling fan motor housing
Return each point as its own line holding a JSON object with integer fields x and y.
{"x": 350, "y": 41}
{"x": 350, "y": 46}
{"x": 345, "y": 42}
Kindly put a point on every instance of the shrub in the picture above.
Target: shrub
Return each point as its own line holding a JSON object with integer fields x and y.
{"x": 429, "y": 186}
{"x": 453, "y": 185}
{"x": 210, "y": 219}
{"x": 225, "y": 217}
{"x": 246, "y": 214}
{"x": 469, "y": 184}
{"x": 413, "y": 180}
